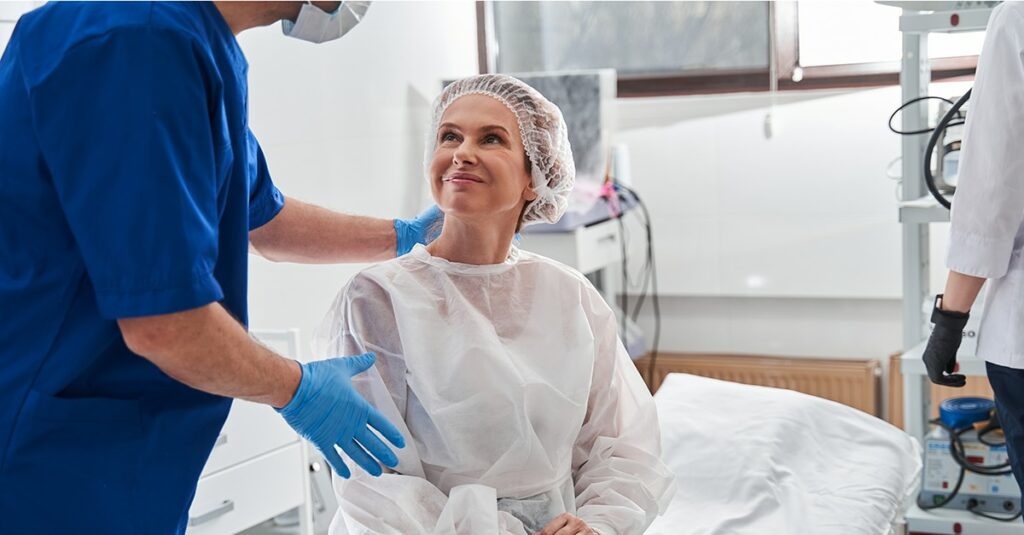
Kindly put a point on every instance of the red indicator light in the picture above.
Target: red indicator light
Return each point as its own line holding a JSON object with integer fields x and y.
{"x": 954, "y": 20}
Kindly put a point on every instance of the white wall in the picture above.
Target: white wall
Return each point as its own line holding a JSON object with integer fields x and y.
{"x": 9, "y": 13}
{"x": 342, "y": 126}
{"x": 783, "y": 246}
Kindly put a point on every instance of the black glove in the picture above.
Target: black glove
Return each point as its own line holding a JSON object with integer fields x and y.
{"x": 940, "y": 353}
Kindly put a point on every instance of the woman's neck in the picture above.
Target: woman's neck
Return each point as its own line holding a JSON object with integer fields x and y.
{"x": 474, "y": 243}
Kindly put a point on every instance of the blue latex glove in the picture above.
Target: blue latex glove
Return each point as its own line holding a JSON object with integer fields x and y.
{"x": 412, "y": 231}
{"x": 327, "y": 411}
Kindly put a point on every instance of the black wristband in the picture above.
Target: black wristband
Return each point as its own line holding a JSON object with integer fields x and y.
{"x": 948, "y": 318}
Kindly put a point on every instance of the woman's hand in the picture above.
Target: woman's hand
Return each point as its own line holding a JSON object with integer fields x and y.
{"x": 566, "y": 524}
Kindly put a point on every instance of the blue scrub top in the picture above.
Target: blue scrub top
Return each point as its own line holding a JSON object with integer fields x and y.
{"x": 129, "y": 181}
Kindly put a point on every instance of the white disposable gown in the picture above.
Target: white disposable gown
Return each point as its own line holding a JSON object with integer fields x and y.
{"x": 517, "y": 400}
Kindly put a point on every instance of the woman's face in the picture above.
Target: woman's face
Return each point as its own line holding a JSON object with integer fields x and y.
{"x": 479, "y": 167}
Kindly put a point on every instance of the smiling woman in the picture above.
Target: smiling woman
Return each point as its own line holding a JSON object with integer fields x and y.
{"x": 523, "y": 413}
{"x": 480, "y": 168}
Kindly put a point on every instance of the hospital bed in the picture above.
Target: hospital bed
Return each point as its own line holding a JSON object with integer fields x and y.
{"x": 757, "y": 460}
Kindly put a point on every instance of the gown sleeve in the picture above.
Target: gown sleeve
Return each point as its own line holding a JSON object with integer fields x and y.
{"x": 401, "y": 501}
{"x": 621, "y": 484}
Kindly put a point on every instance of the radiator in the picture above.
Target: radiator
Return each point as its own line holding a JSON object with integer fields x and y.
{"x": 851, "y": 382}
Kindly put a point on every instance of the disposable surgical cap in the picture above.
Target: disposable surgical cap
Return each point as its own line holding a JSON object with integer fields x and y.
{"x": 544, "y": 135}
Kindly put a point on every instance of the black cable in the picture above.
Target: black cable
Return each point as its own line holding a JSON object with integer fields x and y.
{"x": 994, "y": 517}
{"x": 956, "y": 449}
{"x": 630, "y": 279}
{"x": 992, "y": 425}
{"x": 938, "y": 132}
{"x": 981, "y": 438}
{"x": 624, "y": 293}
{"x": 644, "y": 286}
{"x": 907, "y": 103}
{"x": 952, "y": 494}
{"x": 655, "y": 301}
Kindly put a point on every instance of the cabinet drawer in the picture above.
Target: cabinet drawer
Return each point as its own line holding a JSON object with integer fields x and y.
{"x": 245, "y": 495}
{"x": 587, "y": 249}
{"x": 251, "y": 430}
{"x": 598, "y": 245}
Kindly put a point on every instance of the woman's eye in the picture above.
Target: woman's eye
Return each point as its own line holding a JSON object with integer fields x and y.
{"x": 492, "y": 138}
{"x": 448, "y": 136}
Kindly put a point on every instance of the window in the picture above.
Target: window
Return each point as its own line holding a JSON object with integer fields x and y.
{"x": 635, "y": 38}
{"x": 835, "y": 33}
{"x": 656, "y": 47}
{"x": 672, "y": 48}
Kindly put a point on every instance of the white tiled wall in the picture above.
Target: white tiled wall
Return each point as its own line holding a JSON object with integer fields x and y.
{"x": 806, "y": 213}
{"x": 782, "y": 246}
{"x": 792, "y": 327}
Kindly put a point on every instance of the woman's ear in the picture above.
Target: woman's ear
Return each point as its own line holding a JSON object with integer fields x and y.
{"x": 529, "y": 194}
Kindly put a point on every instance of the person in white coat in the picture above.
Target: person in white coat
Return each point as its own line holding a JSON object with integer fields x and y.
{"x": 521, "y": 409}
{"x": 987, "y": 232}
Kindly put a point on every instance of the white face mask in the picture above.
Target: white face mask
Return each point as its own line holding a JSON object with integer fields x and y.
{"x": 318, "y": 26}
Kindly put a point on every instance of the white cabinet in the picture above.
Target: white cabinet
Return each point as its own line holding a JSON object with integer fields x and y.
{"x": 250, "y": 430}
{"x": 243, "y": 495}
{"x": 587, "y": 249}
{"x": 258, "y": 468}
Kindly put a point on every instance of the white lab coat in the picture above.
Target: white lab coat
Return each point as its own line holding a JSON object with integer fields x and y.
{"x": 986, "y": 231}
{"x": 517, "y": 400}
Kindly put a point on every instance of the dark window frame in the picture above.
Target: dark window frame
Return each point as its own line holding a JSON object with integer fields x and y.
{"x": 786, "y": 41}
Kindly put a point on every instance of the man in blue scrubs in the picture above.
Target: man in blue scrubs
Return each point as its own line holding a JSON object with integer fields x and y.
{"x": 131, "y": 190}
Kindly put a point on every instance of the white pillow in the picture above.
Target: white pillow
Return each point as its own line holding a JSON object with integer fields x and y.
{"x": 758, "y": 460}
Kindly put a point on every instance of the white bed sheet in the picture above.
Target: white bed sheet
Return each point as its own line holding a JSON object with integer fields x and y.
{"x": 756, "y": 460}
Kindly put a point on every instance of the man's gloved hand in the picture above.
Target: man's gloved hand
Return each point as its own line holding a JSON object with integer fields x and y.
{"x": 409, "y": 232}
{"x": 327, "y": 411}
{"x": 940, "y": 353}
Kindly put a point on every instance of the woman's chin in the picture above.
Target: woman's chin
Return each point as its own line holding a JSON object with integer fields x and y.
{"x": 464, "y": 213}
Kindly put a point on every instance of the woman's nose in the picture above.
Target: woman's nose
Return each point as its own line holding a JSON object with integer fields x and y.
{"x": 464, "y": 155}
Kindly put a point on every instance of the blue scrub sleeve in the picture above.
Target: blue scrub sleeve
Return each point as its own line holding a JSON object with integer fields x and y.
{"x": 137, "y": 145}
{"x": 265, "y": 201}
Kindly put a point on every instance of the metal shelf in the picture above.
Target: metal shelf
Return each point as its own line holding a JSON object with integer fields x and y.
{"x": 967, "y": 20}
{"x": 911, "y": 363}
{"x": 955, "y": 522}
{"x": 923, "y": 210}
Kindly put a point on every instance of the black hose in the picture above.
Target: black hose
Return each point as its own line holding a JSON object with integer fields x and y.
{"x": 937, "y": 133}
{"x": 907, "y": 103}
